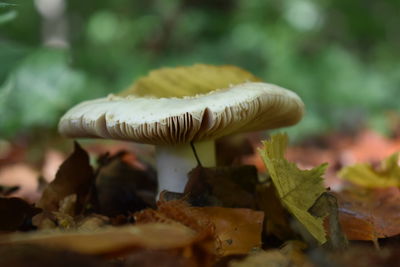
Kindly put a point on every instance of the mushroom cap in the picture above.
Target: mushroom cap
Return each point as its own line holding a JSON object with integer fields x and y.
{"x": 244, "y": 107}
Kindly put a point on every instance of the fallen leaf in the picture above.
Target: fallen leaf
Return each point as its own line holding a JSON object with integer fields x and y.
{"x": 75, "y": 176}
{"x": 238, "y": 230}
{"x": 364, "y": 174}
{"x": 276, "y": 221}
{"x": 326, "y": 205}
{"x": 233, "y": 231}
{"x": 232, "y": 187}
{"x": 188, "y": 81}
{"x": 39, "y": 256}
{"x": 357, "y": 256}
{"x": 297, "y": 189}
{"x": 151, "y": 258}
{"x": 51, "y": 163}
{"x": 122, "y": 188}
{"x": 369, "y": 214}
{"x": 268, "y": 258}
{"x": 110, "y": 241}
{"x": 16, "y": 214}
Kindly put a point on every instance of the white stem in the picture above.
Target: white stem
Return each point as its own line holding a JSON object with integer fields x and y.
{"x": 174, "y": 163}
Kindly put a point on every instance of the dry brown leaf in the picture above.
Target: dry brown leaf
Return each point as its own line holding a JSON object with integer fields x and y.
{"x": 16, "y": 214}
{"x": 122, "y": 188}
{"x": 232, "y": 187}
{"x": 238, "y": 230}
{"x": 110, "y": 241}
{"x": 151, "y": 258}
{"x": 368, "y": 214}
{"x": 75, "y": 176}
{"x": 277, "y": 219}
{"x": 233, "y": 231}
{"x": 40, "y": 256}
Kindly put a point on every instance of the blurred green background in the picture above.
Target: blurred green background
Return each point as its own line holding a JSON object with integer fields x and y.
{"x": 342, "y": 57}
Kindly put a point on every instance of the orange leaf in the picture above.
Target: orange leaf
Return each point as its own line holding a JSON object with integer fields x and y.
{"x": 368, "y": 214}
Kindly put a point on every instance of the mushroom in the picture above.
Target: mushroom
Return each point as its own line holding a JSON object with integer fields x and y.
{"x": 174, "y": 123}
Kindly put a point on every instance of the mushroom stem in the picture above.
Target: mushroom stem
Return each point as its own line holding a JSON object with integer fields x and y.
{"x": 175, "y": 161}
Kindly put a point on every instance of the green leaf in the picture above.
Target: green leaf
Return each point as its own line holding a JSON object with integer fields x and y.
{"x": 297, "y": 189}
{"x": 4, "y": 5}
{"x": 39, "y": 90}
{"x": 8, "y": 16}
{"x": 364, "y": 174}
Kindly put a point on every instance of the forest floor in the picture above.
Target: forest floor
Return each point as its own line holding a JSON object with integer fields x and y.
{"x": 96, "y": 206}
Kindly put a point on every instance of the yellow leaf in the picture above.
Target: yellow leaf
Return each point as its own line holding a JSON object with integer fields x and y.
{"x": 297, "y": 189}
{"x": 364, "y": 174}
{"x": 188, "y": 81}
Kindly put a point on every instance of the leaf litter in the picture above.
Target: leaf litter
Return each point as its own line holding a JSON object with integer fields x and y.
{"x": 224, "y": 214}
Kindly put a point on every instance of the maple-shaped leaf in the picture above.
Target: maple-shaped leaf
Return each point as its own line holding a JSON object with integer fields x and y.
{"x": 297, "y": 189}
{"x": 364, "y": 174}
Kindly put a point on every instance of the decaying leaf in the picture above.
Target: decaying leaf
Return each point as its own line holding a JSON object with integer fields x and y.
{"x": 75, "y": 176}
{"x": 40, "y": 256}
{"x": 297, "y": 189}
{"x": 364, "y": 174}
{"x": 110, "y": 241}
{"x": 121, "y": 188}
{"x": 357, "y": 256}
{"x": 159, "y": 258}
{"x": 326, "y": 205}
{"x": 238, "y": 230}
{"x": 188, "y": 81}
{"x": 16, "y": 214}
{"x": 276, "y": 220}
{"x": 234, "y": 231}
{"x": 291, "y": 254}
{"x": 263, "y": 259}
{"x": 232, "y": 187}
{"x": 369, "y": 214}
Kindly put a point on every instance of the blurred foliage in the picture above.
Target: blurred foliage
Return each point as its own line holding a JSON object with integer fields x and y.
{"x": 340, "y": 56}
